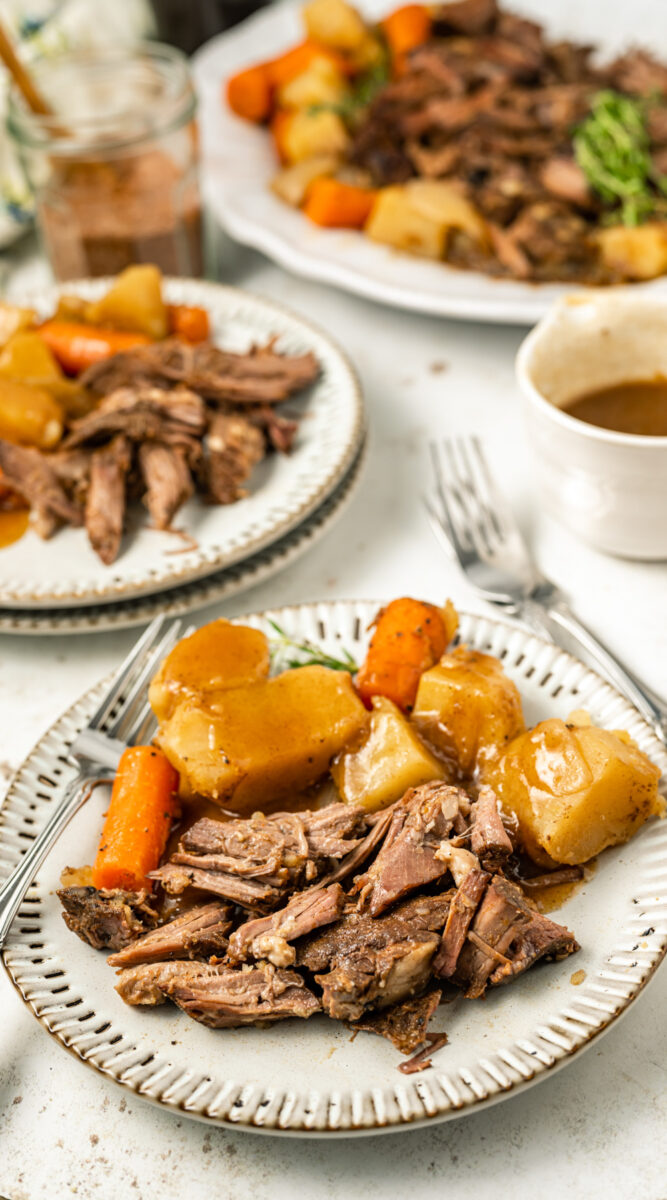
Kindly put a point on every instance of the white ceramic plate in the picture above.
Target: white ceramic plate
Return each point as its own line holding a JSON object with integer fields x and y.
{"x": 222, "y": 585}
{"x": 308, "y": 1077}
{"x": 239, "y": 163}
{"x": 284, "y": 489}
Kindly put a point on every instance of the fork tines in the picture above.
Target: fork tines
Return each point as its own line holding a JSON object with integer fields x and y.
{"x": 472, "y": 508}
{"x": 120, "y": 708}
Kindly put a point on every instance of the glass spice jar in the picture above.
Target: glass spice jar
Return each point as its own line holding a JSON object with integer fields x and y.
{"x": 114, "y": 167}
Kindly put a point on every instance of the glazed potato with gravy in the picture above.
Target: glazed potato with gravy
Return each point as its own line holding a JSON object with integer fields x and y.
{"x": 390, "y": 759}
{"x": 575, "y": 789}
{"x": 213, "y": 659}
{"x": 263, "y": 741}
{"x": 468, "y": 708}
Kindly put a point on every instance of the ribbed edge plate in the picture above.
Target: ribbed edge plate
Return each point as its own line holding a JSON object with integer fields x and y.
{"x": 308, "y": 1077}
{"x": 284, "y": 491}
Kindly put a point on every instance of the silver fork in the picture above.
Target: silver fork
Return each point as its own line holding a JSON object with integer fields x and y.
{"x": 470, "y": 517}
{"x": 122, "y": 718}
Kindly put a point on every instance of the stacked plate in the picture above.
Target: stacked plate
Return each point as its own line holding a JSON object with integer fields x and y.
{"x": 61, "y": 586}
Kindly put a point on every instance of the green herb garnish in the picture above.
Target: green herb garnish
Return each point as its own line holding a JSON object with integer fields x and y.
{"x": 307, "y": 654}
{"x": 361, "y": 95}
{"x": 612, "y": 147}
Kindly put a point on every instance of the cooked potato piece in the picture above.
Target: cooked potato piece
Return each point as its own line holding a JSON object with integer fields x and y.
{"x": 309, "y": 133}
{"x": 390, "y": 760}
{"x": 13, "y": 318}
{"x": 468, "y": 707}
{"x": 26, "y": 358}
{"x": 575, "y": 789}
{"x": 29, "y": 415}
{"x": 321, "y": 83}
{"x": 134, "y": 302}
{"x": 635, "y": 252}
{"x": 292, "y": 183}
{"x": 211, "y": 660}
{"x": 266, "y": 740}
{"x": 443, "y": 203}
{"x": 396, "y": 221}
{"x": 334, "y": 23}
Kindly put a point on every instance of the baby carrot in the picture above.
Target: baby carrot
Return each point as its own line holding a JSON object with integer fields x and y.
{"x": 188, "y": 322}
{"x": 77, "y": 347}
{"x": 249, "y": 94}
{"x": 405, "y": 29}
{"x": 338, "y": 205}
{"x": 410, "y": 636}
{"x": 136, "y": 827}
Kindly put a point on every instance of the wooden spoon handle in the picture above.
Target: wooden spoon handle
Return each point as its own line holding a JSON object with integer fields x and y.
{"x": 21, "y": 76}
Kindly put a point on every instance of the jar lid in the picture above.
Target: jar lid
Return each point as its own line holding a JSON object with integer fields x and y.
{"x": 105, "y": 100}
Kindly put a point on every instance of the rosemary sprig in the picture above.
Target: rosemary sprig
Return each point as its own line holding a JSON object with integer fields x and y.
{"x": 307, "y": 654}
{"x": 612, "y": 147}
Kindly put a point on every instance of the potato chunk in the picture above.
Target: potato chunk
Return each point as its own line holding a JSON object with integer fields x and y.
{"x": 134, "y": 302}
{"x": 419, "y": 216}
{"x": 313, "y": 132}
{"x": 395, "y": 221}
{"x": 390, "y": 760}
{"x": 211, "y": 660}
{"x": 468, "y": 707}
{"x": 29, "y": 415}
{"x": 334, "y": 23}
{"x": 635, "y": 253}
{"x": 265, "y": 740}
{"x": 575, "y": 789}
{"x": 446, "y": 205}
{"x": 321, "y": 83}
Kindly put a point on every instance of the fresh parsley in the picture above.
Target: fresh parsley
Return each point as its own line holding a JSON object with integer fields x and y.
{"x": 612, "y": 147}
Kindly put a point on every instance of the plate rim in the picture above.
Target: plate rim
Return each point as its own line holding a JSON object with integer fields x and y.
{"x": 481, "y": 624}
{"x": 172, "y": 576}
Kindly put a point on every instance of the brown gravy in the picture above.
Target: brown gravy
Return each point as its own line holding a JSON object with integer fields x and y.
{"x": 639, "y": 407}
{"x": 13, "y": 524}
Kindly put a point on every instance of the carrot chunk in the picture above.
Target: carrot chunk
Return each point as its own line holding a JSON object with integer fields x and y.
{"x": 338, "y": 205}
{"x": 249, "y": 93}
{"x": 136, "y": 827}
{"x": 79, "y": 346}
{"x": 285, "y": 68}
{"x": 410, "y": 636}
{"x": 405, "y": 29}
{"x": 188, "y": 322}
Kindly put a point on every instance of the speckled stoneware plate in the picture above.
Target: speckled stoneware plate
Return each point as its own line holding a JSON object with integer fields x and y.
{"x": 239, "y": 163}
{"x": 213, "y": 589}
{"x": 309, "y": 1077}
{"x": 283, "y": 491}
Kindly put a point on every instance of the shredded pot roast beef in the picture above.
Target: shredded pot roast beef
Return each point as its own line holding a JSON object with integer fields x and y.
{"x": 490, "y": 103}
{"x": 171, "y": 420}
{"x": 364, "y": 917}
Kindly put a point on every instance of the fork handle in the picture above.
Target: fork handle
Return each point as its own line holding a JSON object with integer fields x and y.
{"x": 545, "y": 615}
{"x": 14, "y": 890}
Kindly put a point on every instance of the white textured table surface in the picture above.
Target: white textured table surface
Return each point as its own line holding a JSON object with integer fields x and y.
{"x": 595, "y": 1129}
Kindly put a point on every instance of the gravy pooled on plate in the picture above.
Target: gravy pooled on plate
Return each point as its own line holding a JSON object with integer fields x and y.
{"x": 638, "y": 407}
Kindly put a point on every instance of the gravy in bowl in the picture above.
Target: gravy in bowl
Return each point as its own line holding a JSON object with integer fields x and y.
{"x": 638, "y": 407}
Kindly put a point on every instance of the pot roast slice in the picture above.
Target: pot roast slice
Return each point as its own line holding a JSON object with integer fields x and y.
{"x": 197, "y": 933}
{"x": 421, "y": 824}
{"x": 405, "y": 1024}
{"x": 107, "y": 919}
{"x": 271, "y": 937}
